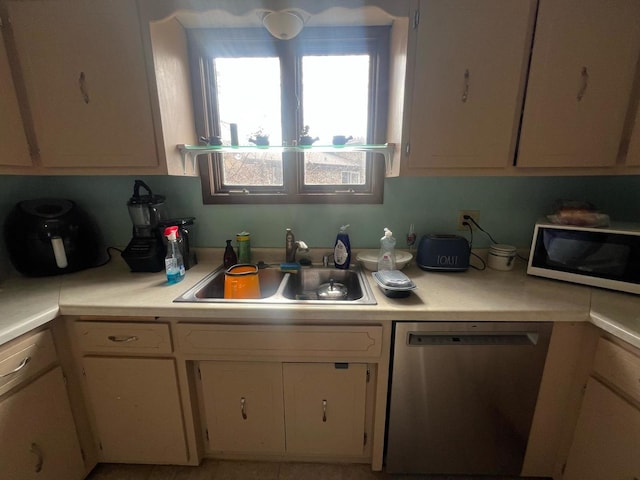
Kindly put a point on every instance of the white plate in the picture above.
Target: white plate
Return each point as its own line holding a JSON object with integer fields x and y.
{"x": 369, "y": 260}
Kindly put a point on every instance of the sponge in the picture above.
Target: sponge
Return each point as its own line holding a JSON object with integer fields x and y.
{"x": 291, "y": 267}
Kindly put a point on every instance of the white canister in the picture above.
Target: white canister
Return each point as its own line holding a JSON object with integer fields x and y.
{"x": 501, "y": 257}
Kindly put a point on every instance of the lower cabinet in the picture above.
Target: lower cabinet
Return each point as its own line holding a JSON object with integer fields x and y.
{"x": 132, "y": 391}
{"x": 325, "y": 407}
{"x": 275, "y": 408}
{"x": 37, "y": 433}
{"x": 606, "y": 438}
{"x": 607, "y": 435}
{"x": 243, "y": 406}
{"x": 136, "y": 408}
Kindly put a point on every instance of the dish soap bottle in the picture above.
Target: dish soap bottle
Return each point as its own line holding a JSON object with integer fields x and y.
{"x": 342, "y": 249}
{"x": 229, "y": 258}
{"x": 173, "y": 262}
{"x": 387, "y": 255}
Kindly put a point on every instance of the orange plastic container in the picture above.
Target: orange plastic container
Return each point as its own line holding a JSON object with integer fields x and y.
{"x": 242, "y": 281}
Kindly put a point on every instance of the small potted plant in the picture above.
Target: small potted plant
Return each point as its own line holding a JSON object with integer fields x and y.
{"x": 306, "y": 139}
{"x": 260, "y": 138}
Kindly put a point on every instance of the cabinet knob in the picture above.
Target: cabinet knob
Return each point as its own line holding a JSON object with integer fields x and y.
{"x": 243, "y": 410}
{"x": 465, "y": 90}
{"x": 35, "y": 449}
{"x": 584, "y": 75}
{"x": 324, "y": 410}
{"x": 82, "y": 82}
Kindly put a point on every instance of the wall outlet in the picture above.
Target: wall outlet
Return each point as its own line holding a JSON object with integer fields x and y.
{"x": 475, "y": 214}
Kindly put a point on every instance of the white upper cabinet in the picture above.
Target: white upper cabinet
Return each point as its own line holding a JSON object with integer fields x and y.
{"x": 633, "y": 154}
{"x": 471, "y": 58}
{"x": 86, "y": 82}
{"x": 15, "y": 150}
{"x": 582, "y": 70}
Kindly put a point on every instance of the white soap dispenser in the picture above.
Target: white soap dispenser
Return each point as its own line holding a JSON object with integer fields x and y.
{"x": 387, "y": 255}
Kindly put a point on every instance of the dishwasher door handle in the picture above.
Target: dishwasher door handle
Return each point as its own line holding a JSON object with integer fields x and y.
{"x": 467, "y": 339}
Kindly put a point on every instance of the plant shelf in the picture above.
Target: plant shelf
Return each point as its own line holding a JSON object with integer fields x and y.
{"x": 191, "y": 152}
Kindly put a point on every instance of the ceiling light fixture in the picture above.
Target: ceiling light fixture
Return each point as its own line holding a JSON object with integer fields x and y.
{"x": 283, "y": 24}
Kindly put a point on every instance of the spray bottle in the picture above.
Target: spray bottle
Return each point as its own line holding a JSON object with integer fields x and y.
{"x": 173, "y": 262}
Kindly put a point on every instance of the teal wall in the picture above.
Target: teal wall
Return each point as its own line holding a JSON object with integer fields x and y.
{"x": 508, "y": 206}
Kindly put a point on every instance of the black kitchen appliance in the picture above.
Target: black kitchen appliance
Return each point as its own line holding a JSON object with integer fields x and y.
{"x": 147, "y": 249}
{"x": 444, "y": 253}
{"x": 50, "y": 237}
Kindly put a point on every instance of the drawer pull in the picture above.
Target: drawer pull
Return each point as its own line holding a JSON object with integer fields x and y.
{"x": 584, "y": 75}
{"x": 324, "y": 410}
{"x": 23, "y": 364}
{"x": 82, "y": 83}
{"x": 243, "y": 410}
{"x": 465, "y": 90}
{"x": 122, "y": 339}
{"x": 35, "y": 449}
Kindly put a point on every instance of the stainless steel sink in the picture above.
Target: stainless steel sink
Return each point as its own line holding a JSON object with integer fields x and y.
{"x": 289, "y": 288}
{"x": 304, "y": 285}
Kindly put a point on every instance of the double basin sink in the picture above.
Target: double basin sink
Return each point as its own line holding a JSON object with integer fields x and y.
{"x": 276, "y": 286}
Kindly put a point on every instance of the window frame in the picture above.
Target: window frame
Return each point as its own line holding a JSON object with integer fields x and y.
{"x": 206, "y": 44}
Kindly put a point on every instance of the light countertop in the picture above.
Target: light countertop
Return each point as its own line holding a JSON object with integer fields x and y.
{"x": 487, "y": 295}
{"x": 27, "y": 303}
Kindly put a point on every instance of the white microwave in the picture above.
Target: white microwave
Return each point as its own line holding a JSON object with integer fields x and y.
{"x": 606, "y": 257}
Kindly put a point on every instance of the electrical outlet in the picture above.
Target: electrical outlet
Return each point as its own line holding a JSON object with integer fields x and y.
{"x": 475, "y": 214}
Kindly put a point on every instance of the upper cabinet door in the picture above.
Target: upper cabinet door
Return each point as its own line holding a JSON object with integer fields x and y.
{"x": 582, "y": 69}
{"x": 471, "y": 58}
{"x": 633, "y": 154}
{"x": 15, "y": 150}
{"x": 86, "y": 81}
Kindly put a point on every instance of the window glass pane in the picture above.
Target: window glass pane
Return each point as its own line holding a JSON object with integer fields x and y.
{"x": 335, "y": 90}
{"x": 248, "y": 93}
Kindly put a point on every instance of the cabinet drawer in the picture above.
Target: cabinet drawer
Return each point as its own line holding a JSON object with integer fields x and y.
{"x": 25, "y": 358}
{"x": 619, "y": 367}
{"x": 279, "y": 340}
{"x": 124, "y": 337}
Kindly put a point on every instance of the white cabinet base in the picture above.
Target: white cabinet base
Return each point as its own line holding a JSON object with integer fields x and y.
{"x": 38, "y": 438}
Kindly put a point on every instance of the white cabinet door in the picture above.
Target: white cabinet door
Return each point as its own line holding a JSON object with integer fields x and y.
{"x": 136, "y": 407}
{"x": 606, "y": 438}
{"x": 38, "y": 438}
{"x": 633, "y": 154}
{"x": 471, "y": 58}
{"x": 86, "y": 81}
{"x": 15, "y": 150}
{"x": 325, "y": 408}
{"x": 582, "y": 69}
{"x": 243, "y": 406}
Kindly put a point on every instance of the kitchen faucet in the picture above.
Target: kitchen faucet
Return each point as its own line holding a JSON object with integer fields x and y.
{"x": 291, "y": 246}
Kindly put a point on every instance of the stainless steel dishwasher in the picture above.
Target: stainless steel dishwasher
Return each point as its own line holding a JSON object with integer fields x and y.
{"x": 463, "y": 395}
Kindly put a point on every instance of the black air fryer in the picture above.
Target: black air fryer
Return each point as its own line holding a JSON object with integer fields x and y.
{"x": 51, "y": 237}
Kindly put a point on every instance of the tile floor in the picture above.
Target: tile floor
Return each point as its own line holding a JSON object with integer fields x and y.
{"x": 240, "y": 470}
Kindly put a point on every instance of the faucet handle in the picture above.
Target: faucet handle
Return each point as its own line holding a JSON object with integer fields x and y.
{"x": 325, "y": 259}
{"x": 303, "y": 247}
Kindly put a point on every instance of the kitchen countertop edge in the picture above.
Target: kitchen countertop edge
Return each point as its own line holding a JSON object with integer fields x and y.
{"x": 486, "y": 296}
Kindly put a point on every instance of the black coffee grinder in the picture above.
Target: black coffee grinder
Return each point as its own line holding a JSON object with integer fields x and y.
{"x": 146, "y": 250}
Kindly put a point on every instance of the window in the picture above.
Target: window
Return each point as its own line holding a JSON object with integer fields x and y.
{"x": 333, "y": 80}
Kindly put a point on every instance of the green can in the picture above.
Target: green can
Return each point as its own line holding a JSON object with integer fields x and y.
{"x": 244, "y": 247}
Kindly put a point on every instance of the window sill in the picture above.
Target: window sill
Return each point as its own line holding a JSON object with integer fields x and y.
{"x": 191, "y": 152}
